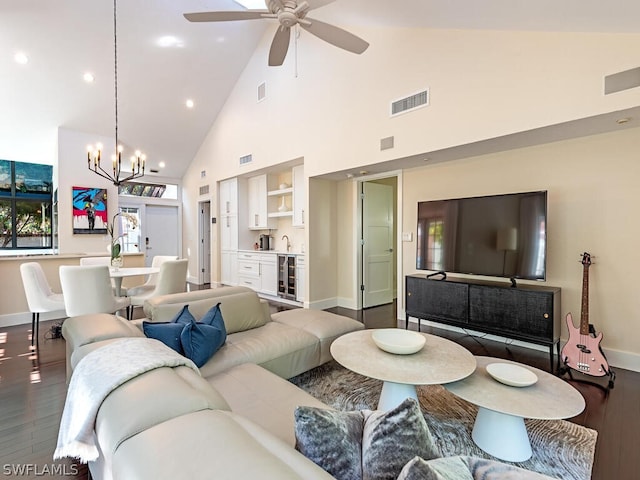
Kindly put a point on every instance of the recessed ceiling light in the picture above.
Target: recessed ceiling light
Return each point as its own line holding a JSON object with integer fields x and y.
{"x": 252, "y": 4}
{"x": 161, "y": 164}
{"x": 21, "y": 58}
{"x": 169, "y": 41}
{"x": 189, "y": 103}
{"x": 89, "y": 77}
{"x": 622, "y": 121}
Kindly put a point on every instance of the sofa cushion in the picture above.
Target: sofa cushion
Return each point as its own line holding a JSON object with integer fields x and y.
{"x": 200, "y": 341}
{"x": 241, "y": 312}
{"x": 449, "y": 468}
{"x": 263, "y": 398}
{"x": 167, "y": 332}
{"x": 283, "y": 350}
{"x": 242, "y": 451}
{"x": 387, "y": 440}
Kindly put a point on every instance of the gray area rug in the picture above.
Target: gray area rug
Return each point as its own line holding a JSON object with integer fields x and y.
{"x": 561, "y": 449}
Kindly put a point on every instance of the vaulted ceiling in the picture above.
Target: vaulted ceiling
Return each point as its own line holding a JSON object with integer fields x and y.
{"x": 163, "y": 60}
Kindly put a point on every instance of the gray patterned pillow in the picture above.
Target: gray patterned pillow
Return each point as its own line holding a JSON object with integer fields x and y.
{"x": 369, "y": 445}
{"x": 449, "y": 468}
{"x": 331, "y": 439}
{"x": 393, "y": 438}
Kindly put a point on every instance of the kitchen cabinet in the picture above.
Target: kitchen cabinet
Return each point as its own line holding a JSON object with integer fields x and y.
{"x": 258, "y": 271}
{"x": 259, "y": 204}
{"x": 299, "y": 196}
{"x": 229, "y": 198}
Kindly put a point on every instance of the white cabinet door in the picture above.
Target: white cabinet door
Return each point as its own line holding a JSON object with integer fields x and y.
{"x": 229, "y": 232}
{"x": 258, "y": 204}
{"x": 229, "y": 268}
{"x": 269, "y": 274}
{"x": 300, "y": 278}
{"x": 229, "y": 197}
{"x": 299, "y": 197}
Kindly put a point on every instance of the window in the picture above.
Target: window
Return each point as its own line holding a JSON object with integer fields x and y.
{"x": 25, "y": 205}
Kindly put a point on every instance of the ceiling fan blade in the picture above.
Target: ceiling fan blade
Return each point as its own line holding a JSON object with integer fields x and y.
{"x": 335, "y": 35}
{"x": 279, "y": 46}
{"x": 226, "y": 16}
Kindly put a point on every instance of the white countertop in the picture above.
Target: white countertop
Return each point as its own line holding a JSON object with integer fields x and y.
{"x": 274, "y": 252}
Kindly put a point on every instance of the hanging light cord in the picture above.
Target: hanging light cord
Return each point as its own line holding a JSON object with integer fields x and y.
{"x": 115, "y": 66}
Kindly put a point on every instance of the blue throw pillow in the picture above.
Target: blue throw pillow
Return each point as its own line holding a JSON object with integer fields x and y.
{"x": 200, "y": 341}
{"x": 214, "y": 318}
{"x": 167, "y": 333}
{"x": 184, "y": 316}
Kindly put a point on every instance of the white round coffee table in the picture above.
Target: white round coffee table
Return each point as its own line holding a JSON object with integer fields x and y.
{"x": 499, "y": 428}
{"x": 440, "y": 361}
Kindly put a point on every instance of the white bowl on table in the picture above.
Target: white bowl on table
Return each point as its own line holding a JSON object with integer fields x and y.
{"x": 398, "y": 341}
{"x": 512, "y": 375}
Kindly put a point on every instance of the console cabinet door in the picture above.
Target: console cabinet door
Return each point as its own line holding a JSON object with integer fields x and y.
{"x": 437, "y": 300}
{"x": 526, "y": 313}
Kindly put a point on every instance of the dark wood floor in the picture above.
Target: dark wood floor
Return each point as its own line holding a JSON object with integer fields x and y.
{"x": 32, "y": 394}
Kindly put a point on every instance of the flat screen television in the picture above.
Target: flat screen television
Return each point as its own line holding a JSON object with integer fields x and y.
{"x": 496, "y": 235}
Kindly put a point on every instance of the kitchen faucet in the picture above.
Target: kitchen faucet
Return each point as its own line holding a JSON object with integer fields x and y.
{"x": 288, "y": 244}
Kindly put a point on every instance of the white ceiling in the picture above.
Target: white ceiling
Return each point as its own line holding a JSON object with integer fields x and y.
{"x": 66, "y": 38}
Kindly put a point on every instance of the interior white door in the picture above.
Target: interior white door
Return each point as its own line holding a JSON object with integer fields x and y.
{"x": 377, "y": 248}
{"x": 162, "y": 232}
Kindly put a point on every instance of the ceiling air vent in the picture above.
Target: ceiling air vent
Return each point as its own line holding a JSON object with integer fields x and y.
{"x": 246, "y": 159}
{"x": 412, "y": 102}
{"x": 262, "y": 91}
{"x": 204, "y": 190}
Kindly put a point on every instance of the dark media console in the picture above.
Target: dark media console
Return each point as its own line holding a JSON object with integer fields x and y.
{"x": 527, "y": 313}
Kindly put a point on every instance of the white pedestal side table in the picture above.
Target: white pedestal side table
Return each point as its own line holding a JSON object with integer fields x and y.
{"x": 499, "y": 428}
{"x": 440, "y": 361}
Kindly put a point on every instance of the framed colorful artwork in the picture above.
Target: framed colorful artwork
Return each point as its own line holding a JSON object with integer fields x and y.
{"x": 90, "y": 210}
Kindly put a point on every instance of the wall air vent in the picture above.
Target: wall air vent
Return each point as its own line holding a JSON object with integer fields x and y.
{"x": 262, "y": 91}
{"x": 204, "y": 190}
{"x": 246, "y": 159}
{"x": 412, "y": 102}
{"x": 386, "y": 143}
{"x": 617, "y": 82}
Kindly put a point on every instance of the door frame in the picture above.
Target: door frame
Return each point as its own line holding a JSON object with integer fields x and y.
{"x": 357, "y": 253}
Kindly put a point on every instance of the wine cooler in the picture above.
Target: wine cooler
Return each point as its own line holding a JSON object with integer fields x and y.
{"x": 287, "y": 276}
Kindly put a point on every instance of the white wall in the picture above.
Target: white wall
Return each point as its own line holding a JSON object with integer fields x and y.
{"x": 483, "y": 85}
{"x": 73, "y": 172}
{"x": 593, "y": 200}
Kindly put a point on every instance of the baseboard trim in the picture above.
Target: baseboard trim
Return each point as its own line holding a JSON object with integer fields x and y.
{"x": 12, "y": 319}
{"x": 322, "y": 304}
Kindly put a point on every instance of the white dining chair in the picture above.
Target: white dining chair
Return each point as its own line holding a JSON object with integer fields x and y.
{"x": 86, "y": 261}
{"x": 172, "y": 278}
{"x": 40, "y": 296}
{"x": 87, "y": 289}
{"x": 152, "y": 279}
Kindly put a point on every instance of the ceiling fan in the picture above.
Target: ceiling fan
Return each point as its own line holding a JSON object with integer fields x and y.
{"x": 288, "y": 13}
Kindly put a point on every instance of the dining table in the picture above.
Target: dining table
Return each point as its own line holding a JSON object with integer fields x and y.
{"x": 117, "y": 274}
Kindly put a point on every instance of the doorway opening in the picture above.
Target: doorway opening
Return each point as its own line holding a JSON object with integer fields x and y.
{"x": 204, "y": 242}
{"x": 378, "y": 254}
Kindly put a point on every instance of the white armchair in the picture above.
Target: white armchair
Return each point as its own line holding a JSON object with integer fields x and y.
{"x": 87, "y": 289}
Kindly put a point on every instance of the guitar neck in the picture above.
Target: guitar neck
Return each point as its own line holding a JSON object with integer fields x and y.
{"x": 584, "y": 314}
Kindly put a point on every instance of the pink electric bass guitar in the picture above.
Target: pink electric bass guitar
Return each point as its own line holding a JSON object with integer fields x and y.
{"x": 582, "y": 351}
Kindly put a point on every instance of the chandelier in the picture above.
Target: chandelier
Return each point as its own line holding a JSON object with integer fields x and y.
{"x": 94, "y": 154}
